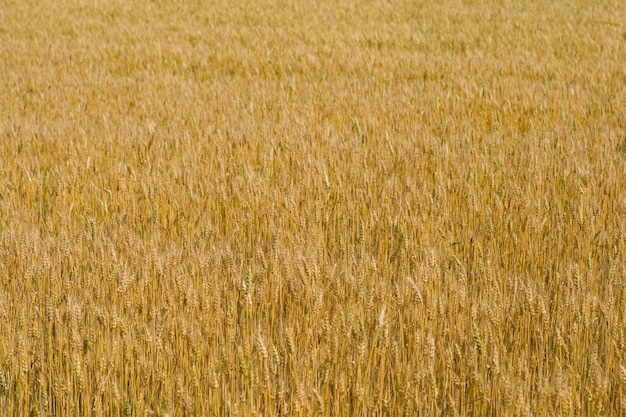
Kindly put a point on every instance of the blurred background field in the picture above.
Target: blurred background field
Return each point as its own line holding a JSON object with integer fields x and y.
{"x": 336, "y": 208}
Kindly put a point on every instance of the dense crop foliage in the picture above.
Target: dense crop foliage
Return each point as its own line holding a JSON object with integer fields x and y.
{"x": 305, "y": 208}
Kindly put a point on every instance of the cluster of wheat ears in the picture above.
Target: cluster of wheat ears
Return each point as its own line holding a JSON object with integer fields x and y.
{"x": 298, "y": 208}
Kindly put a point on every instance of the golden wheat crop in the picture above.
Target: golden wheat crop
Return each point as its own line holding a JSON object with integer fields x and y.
{"x": 300, "y": 208}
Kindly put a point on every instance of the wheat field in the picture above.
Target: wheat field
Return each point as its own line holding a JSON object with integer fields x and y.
{"x": 297, "y": 208}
